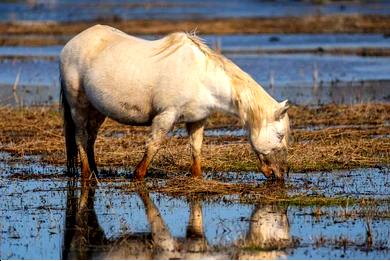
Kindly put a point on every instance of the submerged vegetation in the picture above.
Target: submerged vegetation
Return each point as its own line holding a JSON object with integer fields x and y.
{"x": 323, "y": 138}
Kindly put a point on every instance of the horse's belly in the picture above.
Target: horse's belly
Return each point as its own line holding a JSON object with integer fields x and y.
{"x": 125, "y": 106}
{"x": 130, "y": 114}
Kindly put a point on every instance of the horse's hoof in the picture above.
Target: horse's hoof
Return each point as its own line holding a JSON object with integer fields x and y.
{"x": 197, "y": 175}
{"x": 139, "y": 176}
{"x": 196, "y": 172}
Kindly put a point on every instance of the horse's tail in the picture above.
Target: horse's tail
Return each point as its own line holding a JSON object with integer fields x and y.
{"x": 70, "y": 133}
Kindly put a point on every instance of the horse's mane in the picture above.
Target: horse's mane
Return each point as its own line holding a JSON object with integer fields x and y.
{"x": 252, "y": 101}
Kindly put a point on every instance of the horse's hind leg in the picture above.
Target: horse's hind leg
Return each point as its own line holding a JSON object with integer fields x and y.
{"x": 195, "y": 131}
{"x": 95, "y": 120}
{"x": 162, "y": 123}
{"x": 87, "y": 121}
{"x": 80, "y": 117}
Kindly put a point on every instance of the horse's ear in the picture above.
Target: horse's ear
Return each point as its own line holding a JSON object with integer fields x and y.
{"x": 281, "y": 112}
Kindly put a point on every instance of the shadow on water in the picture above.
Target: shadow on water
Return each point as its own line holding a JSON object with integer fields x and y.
{"x": 84, "y": 237}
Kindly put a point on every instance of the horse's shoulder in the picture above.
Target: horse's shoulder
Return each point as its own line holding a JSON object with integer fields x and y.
{"x": 173, "y": 39}
{"x": 172, "y": 43}
{"x": 176, "y": 37}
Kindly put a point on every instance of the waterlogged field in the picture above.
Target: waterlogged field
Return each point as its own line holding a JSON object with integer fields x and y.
{"x": 333, "y": 66}
{"x": 313, "y": 215}
{"x": 233, "y": 213}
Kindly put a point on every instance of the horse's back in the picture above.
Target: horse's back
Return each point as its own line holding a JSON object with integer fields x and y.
{"x": 91, "y": 42}
{"x": 101, "y": 68}
{"x": 131, "y": 79}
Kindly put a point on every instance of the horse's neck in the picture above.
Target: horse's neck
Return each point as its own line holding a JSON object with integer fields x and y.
{"x": 237, "y": 93}
{"x": 251, "y": 102}
{"x": 219, "y": 86}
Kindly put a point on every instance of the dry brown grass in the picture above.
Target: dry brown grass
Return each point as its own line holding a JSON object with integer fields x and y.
{"x": 306, "y": 24}
{"x": 38, "y": 131}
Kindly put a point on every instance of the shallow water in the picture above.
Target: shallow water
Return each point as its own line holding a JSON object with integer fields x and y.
{"x": 340, "y": 79}
{"x": 177, "y": 9}
{"x": 217, "y": 132}
{"x": 357, "y": 183}
{"x": 238, "y": 42}
{"x": 301, "y": 78}
{"x": 40, "y": 218}
{"x": 241, "y": 132}
{"x": 292, "y": 69}
{"x": 31, "y": 51}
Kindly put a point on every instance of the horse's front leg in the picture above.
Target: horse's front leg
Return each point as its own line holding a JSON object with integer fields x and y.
{"x": 161, "y": 125}
{"x": 161, "y": 236}
{"x": 195, "y": 131}
{"x": 195, "y": 236}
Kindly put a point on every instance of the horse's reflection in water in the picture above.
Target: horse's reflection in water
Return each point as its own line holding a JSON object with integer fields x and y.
{"x": 268, "y": 234}
{"x": 269, "y": 230}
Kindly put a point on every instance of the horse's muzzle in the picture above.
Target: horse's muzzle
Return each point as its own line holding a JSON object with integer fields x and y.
{"x": 273, "y": 172}
{"x": 274, "y": 165}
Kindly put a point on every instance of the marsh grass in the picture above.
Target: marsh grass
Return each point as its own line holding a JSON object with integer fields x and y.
{"x": 306, "y": 24}
{"x": 323, "y": 138}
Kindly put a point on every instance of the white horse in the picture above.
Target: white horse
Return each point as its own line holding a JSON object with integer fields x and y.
{"x": 107, "y": 73}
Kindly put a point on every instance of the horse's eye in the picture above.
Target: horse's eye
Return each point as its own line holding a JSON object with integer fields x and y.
{"x": 280, "y": 136}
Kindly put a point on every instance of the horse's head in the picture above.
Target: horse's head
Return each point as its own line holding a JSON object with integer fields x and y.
{"x": 270, "y": 142}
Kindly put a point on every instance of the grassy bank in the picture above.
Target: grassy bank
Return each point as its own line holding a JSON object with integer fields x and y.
{"x": 46, "y": 33}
